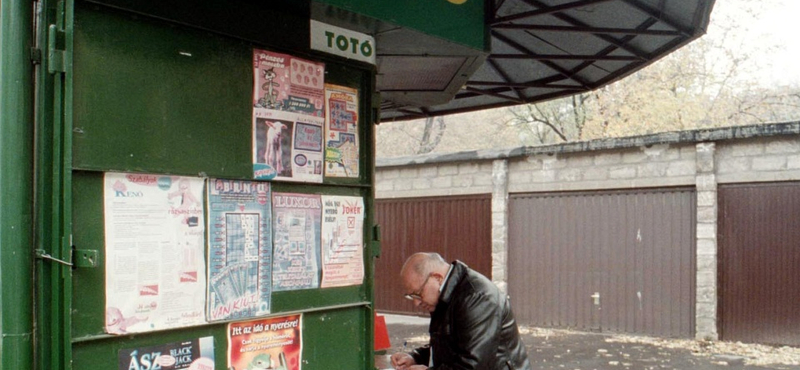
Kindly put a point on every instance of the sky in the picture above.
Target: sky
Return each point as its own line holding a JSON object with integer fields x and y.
{"x": 777, "y": 23}
{"x": 783, "y": 23}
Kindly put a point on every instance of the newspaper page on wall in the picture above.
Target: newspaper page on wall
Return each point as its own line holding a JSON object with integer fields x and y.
{"x": 154, "y": 236}
{"x": 240, "y": 249}
{"x": 195, "y": 354}
{"x": 271, "y": 343}
{"x": 296, "y": 238}
{"x": 341, "y": 131}
{"x": 288, "y": 106}
{"x": 342, "y": 241}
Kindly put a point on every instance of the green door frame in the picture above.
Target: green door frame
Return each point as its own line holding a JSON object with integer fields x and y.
{"x": 52, "y": 186}
{"x": 16, "y": 185}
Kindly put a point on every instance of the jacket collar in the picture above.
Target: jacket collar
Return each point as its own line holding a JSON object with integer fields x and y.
{"x": 459, "y": 269}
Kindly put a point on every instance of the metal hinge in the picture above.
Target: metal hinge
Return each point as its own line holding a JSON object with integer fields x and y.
{"x": 56, "y": 59}
{"x": 80, "y": 258}
{"x": 85, "y": 258}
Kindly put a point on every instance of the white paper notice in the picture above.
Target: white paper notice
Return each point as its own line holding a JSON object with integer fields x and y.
{"x": 155, "y": 269}
{"x": 342, "y": 241}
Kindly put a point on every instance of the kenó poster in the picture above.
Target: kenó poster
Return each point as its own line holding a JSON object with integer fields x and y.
{"x": 154, "y": 249}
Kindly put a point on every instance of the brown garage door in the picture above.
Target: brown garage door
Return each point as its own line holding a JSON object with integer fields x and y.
{"x": 759, "y": 249}
{"x": 455, "y": 227}
{"x": 620, "y": 261}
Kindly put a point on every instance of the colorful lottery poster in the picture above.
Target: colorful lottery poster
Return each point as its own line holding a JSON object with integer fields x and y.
{"x": 341, "y": 131}
{"x": 240, "y": 249}
{"x": 342, "y": 241}
{"x": 296, "y": 238}
{"x": 287, "y": 146}
{"x": 286, "y": 83}
{"x": 271, "y": 343}
{"x": 195, "y": 354}
{"x": 154, "y": 250}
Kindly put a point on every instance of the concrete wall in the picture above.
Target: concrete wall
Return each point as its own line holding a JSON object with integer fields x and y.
{"x": 701, "y": 159}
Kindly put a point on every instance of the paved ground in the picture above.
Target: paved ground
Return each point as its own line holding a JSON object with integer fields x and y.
{"x": 563, "y": 349}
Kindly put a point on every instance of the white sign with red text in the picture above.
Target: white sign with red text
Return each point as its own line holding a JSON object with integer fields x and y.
{"x": 154, "y": 260}
{"x": 342, "y": 241}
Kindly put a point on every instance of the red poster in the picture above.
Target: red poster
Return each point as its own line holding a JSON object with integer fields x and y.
{"x": 271, "y": 343}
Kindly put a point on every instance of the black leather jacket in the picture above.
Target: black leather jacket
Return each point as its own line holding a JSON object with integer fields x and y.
{"x": 473, "y": 327}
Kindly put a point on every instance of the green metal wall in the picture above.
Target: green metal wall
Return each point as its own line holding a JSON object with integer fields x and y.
{"x": 16, "y": 185}
{"x": 147, "y": 92}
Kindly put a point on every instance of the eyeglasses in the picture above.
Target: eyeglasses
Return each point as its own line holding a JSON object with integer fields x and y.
{"x": 417, "y": 294}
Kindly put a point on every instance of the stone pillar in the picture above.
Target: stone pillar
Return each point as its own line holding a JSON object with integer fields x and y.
{"x": 706, "y": 284}
{"x": 500, "y": 223}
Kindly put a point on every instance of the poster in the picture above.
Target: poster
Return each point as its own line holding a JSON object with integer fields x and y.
{"x": 271, "y": 343}
{"x": 195, "y": 354}
{"x": 287, "y": 146}
{"x": 288, "y": 117}
{"x": 296, "y": 238}
{"x": 154, "y": 250}
{"x": 240, "y": 249}
{"x": 341, "y": 131}
{"x": 286, "y": 83}
{"x": 342, "y": 241}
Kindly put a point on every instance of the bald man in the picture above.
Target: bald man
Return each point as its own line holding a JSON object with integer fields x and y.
{"x": 472, "y": 325}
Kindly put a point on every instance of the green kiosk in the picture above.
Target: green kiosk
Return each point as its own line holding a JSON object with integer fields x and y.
{"x": 189, "y": 184}
{"x": 192, "y": 184}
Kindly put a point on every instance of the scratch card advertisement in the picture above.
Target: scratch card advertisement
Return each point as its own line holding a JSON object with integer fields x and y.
{"x": 155, "y": 267}
{"x": 286, "y": 83}
{"x": 240, "y": 249}
{"x": 342, "y": 241}
{"x": 272, "y": 343}
{"x": 195, "y": 354}
{"x": 341, "y": 131}
{"x": 287, "y": 146}
{"x": 296, "y": 237}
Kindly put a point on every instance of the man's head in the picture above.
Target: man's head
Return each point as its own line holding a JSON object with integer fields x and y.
{"x": 422, "y": 276}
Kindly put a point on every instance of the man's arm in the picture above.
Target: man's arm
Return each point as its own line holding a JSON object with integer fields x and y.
{"x": 422, "y": 355}
{"x": 417, "y": 358}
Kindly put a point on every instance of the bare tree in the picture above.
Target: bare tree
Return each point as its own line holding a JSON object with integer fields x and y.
{"x": 431, "y": 135}
{"x": 554, "y": 121}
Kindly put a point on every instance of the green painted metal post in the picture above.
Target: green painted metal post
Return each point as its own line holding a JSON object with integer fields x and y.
{"x": 16, "y": 185}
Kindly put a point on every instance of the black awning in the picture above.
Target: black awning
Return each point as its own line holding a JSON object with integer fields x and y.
{"x": 546, "y": 49}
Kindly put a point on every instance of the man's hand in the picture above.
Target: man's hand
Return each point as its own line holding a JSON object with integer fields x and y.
{"x": 403, "y": 361}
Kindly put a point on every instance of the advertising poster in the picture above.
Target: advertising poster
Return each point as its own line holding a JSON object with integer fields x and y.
{"x": 196, "y": 354}
{"x": 341, "y": 131}
{"x": 286, "y": 83}
{"x": 296, "y": 238}
{"x": 240, "y": 249}
{"x": 342, "y": 241}
{"x": 287, "y": 146}
{"x": 155, "y": 267}
{"x": 263, "y": 344}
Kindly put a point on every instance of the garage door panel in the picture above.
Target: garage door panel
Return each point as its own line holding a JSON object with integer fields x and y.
{"x": 457, "y": 227}
{"x": 759, "y": 251}
{"x": 635, "y": 250}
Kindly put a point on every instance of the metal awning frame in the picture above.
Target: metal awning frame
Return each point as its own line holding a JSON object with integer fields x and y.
{"x": 560, "y": 81}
